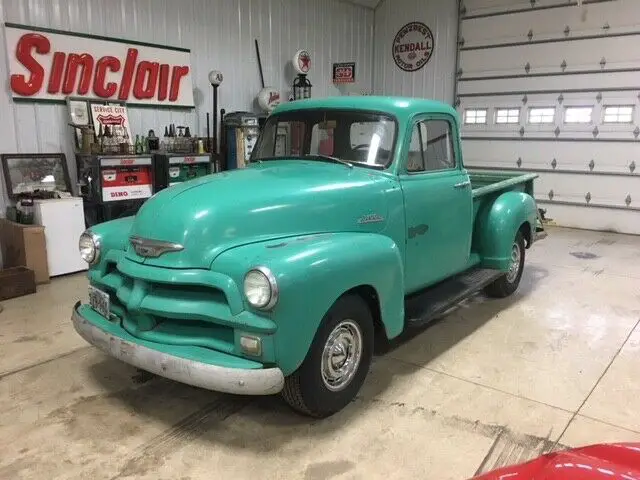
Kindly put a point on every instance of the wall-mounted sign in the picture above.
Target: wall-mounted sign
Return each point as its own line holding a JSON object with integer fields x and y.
{"x": 344, "y": 72}
{"x": 412, "y": 46}
{"x": 302, "y": 62}
{"x": 113, "y": 116}
{"x": 51, "y": 65}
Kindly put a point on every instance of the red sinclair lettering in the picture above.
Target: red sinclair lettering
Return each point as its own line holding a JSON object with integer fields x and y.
{"x": 127, "y": 161}
{"x": 28, "y": 42}
{"x": 129, "y": 64}
{"x": 57, "y": 66}
{"x": 71, "y": 73}
{"x": 81, "y": 72}
{"x": 99, "y": 88}
{"x": 164, "y": 80}
{"x": 177, "y": 74}
{"x": 146, "y": 71}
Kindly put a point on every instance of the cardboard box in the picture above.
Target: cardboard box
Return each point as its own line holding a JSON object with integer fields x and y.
{"x": 24, "y": 246}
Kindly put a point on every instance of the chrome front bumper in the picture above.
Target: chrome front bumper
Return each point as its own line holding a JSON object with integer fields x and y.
{"x": 265, "y": 381}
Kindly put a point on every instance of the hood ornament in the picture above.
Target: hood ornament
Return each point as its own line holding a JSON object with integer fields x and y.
{"x": 148, "y": 248}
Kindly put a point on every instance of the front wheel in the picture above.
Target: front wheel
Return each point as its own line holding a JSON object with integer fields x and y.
{"x": 337, "y": 363}
{"x": 508, "y": 283}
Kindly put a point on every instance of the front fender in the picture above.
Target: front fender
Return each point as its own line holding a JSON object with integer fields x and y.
{"x": 112, "y": 235}
{"x": 497, "y": 224}
{"x": 312, "y": 272}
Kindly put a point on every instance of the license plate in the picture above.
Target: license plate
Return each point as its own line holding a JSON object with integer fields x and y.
{"x": 99, "y": 301}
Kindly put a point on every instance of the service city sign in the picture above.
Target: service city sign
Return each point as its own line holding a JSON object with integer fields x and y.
{"x": 51, "y": 65}
{"x": 412, "y": 46}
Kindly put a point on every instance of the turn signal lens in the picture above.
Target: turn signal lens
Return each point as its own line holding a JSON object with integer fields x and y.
{"x": 251, "y": 345}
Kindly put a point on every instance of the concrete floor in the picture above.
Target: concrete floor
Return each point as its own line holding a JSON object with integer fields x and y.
{"x": 494, "y": 382}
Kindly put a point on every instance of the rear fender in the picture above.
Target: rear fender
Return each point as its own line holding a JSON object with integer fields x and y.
{"x": 312, "y": 272}
{"x": 497, "y": 224}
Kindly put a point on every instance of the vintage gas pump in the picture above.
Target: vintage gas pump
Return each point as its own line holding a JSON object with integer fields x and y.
{"x": 301, "y": 84}
{"x": 171, "y": 169}
{"x": 114, "y": 186}
{"x": 240, "y": 131}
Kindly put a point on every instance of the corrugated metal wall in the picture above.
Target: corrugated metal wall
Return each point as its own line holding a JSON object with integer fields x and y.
{"x": 220, "y": 34}
{"x": 436, "y": 78}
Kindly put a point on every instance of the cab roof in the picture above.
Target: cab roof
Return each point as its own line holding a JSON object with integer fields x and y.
{"x": 397, "y": 106}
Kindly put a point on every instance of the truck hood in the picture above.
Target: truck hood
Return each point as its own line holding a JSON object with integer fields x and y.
{"x": 266, "y": 201}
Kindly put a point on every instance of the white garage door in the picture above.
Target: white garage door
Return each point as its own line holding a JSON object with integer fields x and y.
{"x": 553, "y": 87}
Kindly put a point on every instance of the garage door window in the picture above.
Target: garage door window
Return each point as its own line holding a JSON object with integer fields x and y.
{"x": 508, "y": 115}
{"x": 475, "y": 116}
{"x": 618, "y": 114}
{"x": 578, "y": 115}
{"x": 542, "y": 115}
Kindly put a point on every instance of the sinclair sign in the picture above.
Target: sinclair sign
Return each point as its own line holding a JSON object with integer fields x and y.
{"x": 51, "y": 65}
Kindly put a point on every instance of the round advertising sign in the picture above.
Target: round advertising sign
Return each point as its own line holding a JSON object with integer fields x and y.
{"x": 302, "y": 62}
{"x": 412, "y": 46}
{"x": 268, "y": 98}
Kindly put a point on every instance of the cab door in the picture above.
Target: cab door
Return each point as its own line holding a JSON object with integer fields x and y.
{"x": 438, "y": 203}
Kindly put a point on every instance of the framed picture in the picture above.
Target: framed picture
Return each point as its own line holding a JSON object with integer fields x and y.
{"x": 78, "y": 111}
{"x": 24, "y": 173}
{"x": 79, "y": 116}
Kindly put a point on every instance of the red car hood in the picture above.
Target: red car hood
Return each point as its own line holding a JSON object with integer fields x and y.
{"x": 616, "y": 461}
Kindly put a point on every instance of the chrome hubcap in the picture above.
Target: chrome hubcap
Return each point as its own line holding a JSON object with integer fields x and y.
{"x": 514, "y": 266}
{"x": 341, "y": 355}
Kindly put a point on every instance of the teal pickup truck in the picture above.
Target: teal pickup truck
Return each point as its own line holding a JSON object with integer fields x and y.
{"x": 354, "y": 221}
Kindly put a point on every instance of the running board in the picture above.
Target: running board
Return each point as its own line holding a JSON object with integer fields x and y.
{"x": 423, "y": 307}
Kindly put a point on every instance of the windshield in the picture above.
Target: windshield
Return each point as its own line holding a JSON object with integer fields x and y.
{"x": 358, "y": 137}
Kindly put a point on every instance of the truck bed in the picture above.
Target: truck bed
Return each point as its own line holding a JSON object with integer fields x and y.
{"x": 484, "y": 183}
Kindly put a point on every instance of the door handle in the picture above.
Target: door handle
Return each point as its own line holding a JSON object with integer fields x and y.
{"x": 462, "y": 184}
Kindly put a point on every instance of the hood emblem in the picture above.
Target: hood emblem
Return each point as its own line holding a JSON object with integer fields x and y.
{"x": 148, "y": 248}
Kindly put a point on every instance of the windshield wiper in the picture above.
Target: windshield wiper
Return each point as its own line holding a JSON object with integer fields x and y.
{"x": 319, "y": 156}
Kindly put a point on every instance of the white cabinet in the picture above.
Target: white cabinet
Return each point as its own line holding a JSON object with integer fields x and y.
{"x": 63, "y": 220}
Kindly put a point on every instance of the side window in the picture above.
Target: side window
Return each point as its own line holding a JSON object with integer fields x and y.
{"x": 431, "y": 147}
{"x": 438, "y": 149}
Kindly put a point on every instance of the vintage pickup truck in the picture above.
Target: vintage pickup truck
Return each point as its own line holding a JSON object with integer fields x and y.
{"x": 354, "y": 221}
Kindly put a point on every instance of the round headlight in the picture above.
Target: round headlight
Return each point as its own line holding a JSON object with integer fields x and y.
{"x": 89, "y": 247}
{"x": 260, "y": 288}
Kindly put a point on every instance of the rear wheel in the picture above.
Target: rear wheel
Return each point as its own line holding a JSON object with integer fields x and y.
{"x": 337, "y": 363}
{"x": 508, "y": 283}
